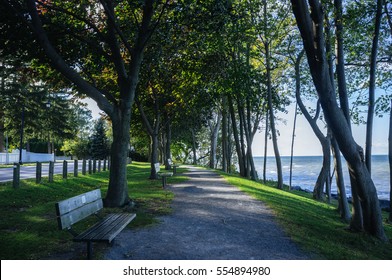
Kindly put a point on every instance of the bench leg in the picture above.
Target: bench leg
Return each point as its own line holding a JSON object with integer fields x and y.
{"x": 174, "y": 170}
{"x": 89, "y": 250}
{"x": 163, "y": 182}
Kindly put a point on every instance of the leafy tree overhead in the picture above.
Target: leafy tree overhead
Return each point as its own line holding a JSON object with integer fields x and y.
{"x": 98, "y": 46}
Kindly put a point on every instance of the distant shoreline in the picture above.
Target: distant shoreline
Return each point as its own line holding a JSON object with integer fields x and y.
{"x": 384, "y": 203}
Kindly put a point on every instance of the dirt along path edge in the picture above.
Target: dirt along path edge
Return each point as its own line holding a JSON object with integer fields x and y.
{"x": 210, "y": 220}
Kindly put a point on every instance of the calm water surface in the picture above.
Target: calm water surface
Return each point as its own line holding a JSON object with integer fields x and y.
{"x": 307, "y": 168}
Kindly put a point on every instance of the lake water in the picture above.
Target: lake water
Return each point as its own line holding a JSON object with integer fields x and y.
{"x": 307, "y": 168}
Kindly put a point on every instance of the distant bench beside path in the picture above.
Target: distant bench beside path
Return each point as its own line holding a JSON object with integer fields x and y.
{"x": 210, "y": 220}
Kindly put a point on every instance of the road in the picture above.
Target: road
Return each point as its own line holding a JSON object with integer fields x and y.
{"x": 28, "y": 172}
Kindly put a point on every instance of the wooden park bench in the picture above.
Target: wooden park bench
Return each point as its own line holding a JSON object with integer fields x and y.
{"x": 162, "y": 174}
{"x": 174, "y": 166}
{"x": 77, "y": 208}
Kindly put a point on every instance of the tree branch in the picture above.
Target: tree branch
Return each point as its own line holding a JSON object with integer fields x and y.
{"x": 59, "y": 63}
{"x": 111, "y": 18}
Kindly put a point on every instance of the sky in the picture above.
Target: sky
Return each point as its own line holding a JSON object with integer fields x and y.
{"x": 306, "y": 143}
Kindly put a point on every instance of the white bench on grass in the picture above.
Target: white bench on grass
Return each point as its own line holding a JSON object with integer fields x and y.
{"x": 173, "y": 165}
{"x": 77, "y": 208}
{"x": 162, "y": 174}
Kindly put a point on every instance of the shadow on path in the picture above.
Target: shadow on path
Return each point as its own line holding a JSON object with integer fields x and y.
{"x": 211, "y": 220}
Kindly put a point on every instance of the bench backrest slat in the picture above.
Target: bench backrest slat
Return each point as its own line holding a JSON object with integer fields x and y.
{"x": 76, "y": 208}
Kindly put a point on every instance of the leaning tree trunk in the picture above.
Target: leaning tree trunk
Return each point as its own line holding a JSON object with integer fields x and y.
{"x": 311, "y": 26}
{"x": 323, "y": 177}
{"x": 343, "y": 207}
{"x": 356, "y": 223}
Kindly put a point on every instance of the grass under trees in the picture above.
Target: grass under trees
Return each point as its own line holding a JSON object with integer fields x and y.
{"x": 316, "y": 226}
{"x": 28, "y": 226}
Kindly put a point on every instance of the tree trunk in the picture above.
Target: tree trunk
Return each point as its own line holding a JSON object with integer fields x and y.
{"x": 292, "y": 145}
{"x": 117, "y": 194}
{"x": 372, "y": 88}
{"x": 265, "y": 148}
{"x": 154, "y": 154}
{"x": 297, "y": 93}
{"x": 118, "y": 111}
{"x": 272, "y": 121}
{"x": 323, "y": 178}
{"x": 241, "y": 114}
{"x": 390, "y": 163}
{"x": 311, "y": 28}
{"x": 241, "y": 163}
{"x": 229, "y": 145}
{"x": 167, "y": 147}
{"x": 2, "y": 146}
{"x": 343, "y": 207}
{"x": 153, "y": 132}
{"x": 356, "y": 223}
{"x": 194, "y": 147}
{"x": 214, "y": 130}
{"x": 2, "y": 118}
{"x": 225, "y": 141}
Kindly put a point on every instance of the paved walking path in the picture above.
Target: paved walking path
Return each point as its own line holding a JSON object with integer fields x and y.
{"x": 210, "y": 220}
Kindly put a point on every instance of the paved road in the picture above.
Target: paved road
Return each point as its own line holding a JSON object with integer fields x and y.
{"x": 210, "y": 220}
{"x": 28, "y": 172}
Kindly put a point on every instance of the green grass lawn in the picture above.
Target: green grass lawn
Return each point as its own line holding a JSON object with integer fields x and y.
{"x": 28, "y": 226}
{"x": 316, "y": 226}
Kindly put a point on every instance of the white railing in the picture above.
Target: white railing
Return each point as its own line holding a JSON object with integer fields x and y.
{"x": 9, "y": 158}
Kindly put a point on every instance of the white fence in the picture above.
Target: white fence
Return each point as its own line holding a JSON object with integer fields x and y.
{"x": 9, "y": 158}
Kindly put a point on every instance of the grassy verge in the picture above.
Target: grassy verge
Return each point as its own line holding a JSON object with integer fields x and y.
{"x": 28, "y": 226}
{"x": 316, "y": 226}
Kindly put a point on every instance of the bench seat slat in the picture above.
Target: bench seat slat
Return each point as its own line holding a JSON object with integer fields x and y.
{"x": 165, "y": 174}
{"x": 107, "y": 229}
